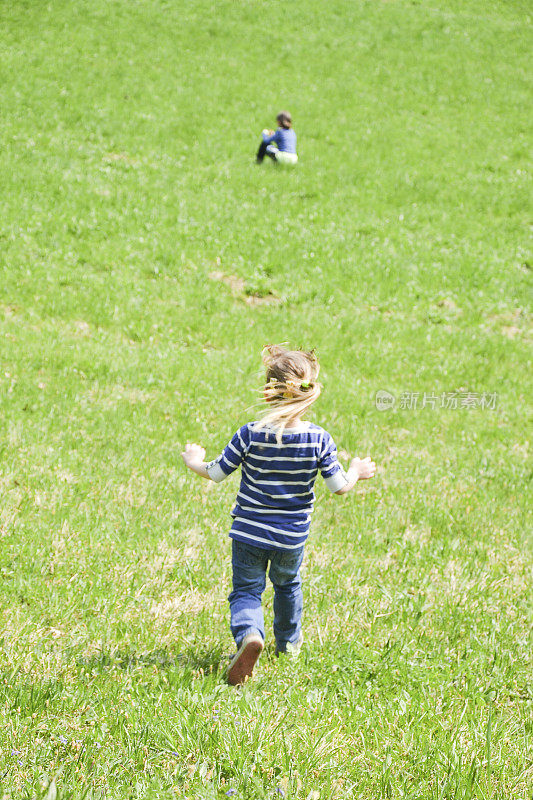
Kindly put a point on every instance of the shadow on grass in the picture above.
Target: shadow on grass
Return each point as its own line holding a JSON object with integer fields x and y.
{"x": 209, "y": 660}
{"x": 180, "y": 667}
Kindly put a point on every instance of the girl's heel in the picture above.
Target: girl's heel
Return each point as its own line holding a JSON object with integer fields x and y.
{"x": 242, "y": 664}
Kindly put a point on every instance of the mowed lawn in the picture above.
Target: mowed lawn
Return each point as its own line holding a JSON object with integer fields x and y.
{"x": 144, "y": 261}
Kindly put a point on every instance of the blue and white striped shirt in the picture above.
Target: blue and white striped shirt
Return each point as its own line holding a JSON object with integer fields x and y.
{"x": 275, "y": 498}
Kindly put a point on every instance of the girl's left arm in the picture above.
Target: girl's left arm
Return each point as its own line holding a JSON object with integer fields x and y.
{"x": 194, "y": 458}
{"x": 359, "y": 470}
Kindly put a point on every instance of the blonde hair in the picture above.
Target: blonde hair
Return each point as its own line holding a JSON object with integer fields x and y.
{"x": 291, "y": 386}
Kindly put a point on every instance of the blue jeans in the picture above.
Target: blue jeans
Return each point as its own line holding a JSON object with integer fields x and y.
{"x": 249, "y": 580}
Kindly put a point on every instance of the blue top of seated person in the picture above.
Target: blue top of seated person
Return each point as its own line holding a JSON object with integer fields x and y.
{"x": 284, "y": 136}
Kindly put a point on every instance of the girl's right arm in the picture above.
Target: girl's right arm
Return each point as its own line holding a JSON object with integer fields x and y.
{"x": 194, "y": 458}
{"x": 225, "y": 464}
{"x": 359, "y": 470}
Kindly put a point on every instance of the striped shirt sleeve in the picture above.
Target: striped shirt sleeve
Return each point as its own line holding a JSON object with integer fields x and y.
{"x": 330, "y": 469}
{"x": 231, "y": 457}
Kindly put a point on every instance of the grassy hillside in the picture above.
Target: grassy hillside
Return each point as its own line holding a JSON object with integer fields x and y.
{"x": 144, "y": 261}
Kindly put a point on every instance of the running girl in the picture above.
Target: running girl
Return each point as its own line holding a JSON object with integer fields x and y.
{"x": 280, "y": 457}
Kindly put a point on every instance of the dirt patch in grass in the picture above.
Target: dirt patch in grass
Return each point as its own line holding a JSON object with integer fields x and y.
{"x": 190, "y": 602}
{"x": 521, "y": 449}
{"x": 9, "y": 309}
{"x": 511, "y": 331}
{"x": 134, "y": 492}
{"x": 417, "y": 534}
{"x": 168, "y": 556}
{"x": 319, "y": 558}
{"x": 81, "y": 328}
{"x": 447, "y": 302}
{"x": 512, "y": 324}
{"x": 108, "y": 397}
{"x": 123, "y": 158}
{"x": 244, "y": 293}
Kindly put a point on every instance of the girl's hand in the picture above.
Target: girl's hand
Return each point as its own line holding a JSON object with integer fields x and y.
{"x": 365, "y": 467}
{"x": 193, "y": 454}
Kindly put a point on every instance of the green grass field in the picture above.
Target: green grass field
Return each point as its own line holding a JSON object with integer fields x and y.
{"x": 145, "y": 260}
